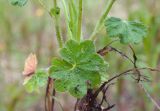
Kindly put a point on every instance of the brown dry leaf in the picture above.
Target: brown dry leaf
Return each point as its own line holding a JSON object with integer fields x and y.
{"x": 30, "y": 65}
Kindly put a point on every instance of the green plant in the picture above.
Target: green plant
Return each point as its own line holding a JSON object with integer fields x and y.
{"x": 80, "y": 69}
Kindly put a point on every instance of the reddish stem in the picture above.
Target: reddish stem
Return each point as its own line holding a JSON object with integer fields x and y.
{"x": 49, "y": 101}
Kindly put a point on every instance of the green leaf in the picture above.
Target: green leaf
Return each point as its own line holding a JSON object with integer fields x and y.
{"x": 127, "y": 31}
{"x": 18, "y": 2}
{"x": 78, "y": 69}
{"x": 61, "y": 85}
{"x": 39, "y": 79}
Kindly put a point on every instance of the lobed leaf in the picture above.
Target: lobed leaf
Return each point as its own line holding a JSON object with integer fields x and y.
{"x": 127, "y": 31}
{"x": 78, "y": 69}
{"x": 39, "y": 79}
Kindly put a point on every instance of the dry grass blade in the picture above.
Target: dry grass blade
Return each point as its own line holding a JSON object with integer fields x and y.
{"x": 150, "y": 97}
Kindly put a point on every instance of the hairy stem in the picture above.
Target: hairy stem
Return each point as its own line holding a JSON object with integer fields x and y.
{"x": 50, "y": 91}
{"x": 79, "y": 21}
{"x": 99, "y": 24}
{"x": 57, "y": 26}
{"x": 70, "y": 36}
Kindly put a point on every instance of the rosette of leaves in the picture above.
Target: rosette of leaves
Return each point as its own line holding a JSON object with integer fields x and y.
{"x": 127, "y": 31}
{"x": 18, "y": 2}
{"x": 79, "y": 68}
{"x": 35, "y": 81}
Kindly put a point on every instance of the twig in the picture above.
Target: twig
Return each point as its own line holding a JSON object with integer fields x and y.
{"x": 58, "y": 102}
{"x": 111, "y": 79}
{"x": 134, "y": 63}
{"x": 119, "y": 75}
{"x": 104, "y": 95}
{"x": 122, "y": 54}
{"x": 109, "y": 48}
{"x": 142, "y": 79}
{"x": 110, "y": 107}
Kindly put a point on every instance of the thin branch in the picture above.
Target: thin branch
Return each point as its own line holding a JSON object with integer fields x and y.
{"x": 58, "y": 102}
{"x": 110, "y": 107}
{"x": 111, "y": 79}
{"x": 119, "y": 75}
{"x": 109, "y": 48}
{"x": 104, "y": 95}
{"x": 134, "y": 63}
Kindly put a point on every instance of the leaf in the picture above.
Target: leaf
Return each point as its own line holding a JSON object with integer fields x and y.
{"x": 30, "y": 65}
{"x": 127, "y": 31}
{"x": 39, "y": 79}
{"x": 18, "y": 2}
{"x": 78, "y": 69}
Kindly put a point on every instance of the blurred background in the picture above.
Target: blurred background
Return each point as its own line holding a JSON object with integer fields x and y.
{"x": 30, "y": 29}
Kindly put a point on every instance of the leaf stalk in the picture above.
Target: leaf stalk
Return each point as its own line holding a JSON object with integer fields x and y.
{"x": 100, "y": 23}
{"x": 79, "y": 21}
{"x": 57, "y": 26}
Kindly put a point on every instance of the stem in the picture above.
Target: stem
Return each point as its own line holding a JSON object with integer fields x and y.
{"x": 67, "y": 20}
{"x": 50, "y": 91}
{"x": 73, "y": 12}
{"x": 79, "y": 21}
{"x": 49, "y": 102}
{"x": 99, "y": 24}
{"x": 120, "y": 75}
{"x": 57, "y": 26}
